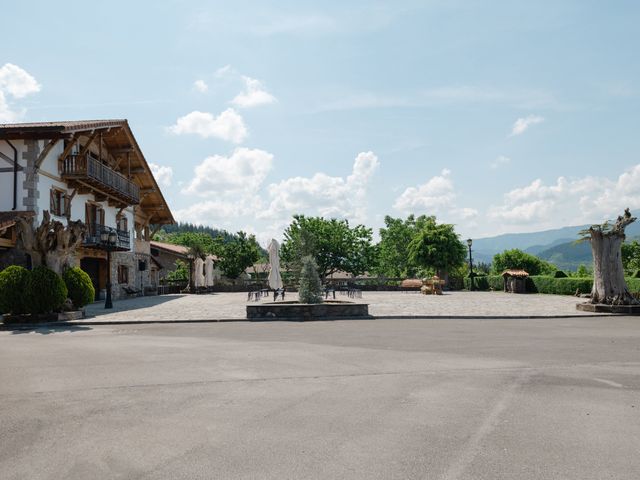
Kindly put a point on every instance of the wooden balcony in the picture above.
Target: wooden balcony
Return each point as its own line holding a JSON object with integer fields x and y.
{"x": 97, "y": 236}
{"x": 88, "y": 171}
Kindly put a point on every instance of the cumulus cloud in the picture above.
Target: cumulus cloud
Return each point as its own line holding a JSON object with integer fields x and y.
{"x": 500, "y": 161}
{"x": 201, "y": 86}
{"x": 15, "y": 83}
{"x": 243, "y": 171}
{"x": 436, "y": 195}
{"x": 569, "y": 201}
{"x": 321, "y": 194}
{"x": 522, "y": 124}
{"x": 229, "y": 125}
{"x": 234, "y": 187}
{"x": 162, "y": 174}
{"x": 253, "y": 95}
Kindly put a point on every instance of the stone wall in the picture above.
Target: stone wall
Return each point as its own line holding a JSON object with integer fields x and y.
{"x": 30, "y": 184}
{"x": 139, "y": 280}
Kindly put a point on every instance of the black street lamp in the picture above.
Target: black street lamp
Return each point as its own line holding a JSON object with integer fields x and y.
{"x": 109, "y": 240}
{"x": 469, "y": 243}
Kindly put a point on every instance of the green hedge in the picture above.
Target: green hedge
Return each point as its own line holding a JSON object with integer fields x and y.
{"x": 81, "y": 291}
{"x": 485, "y": 282}
{"x": 547, "y": 284}
{"x": 13, "y": 281}
{"x": 558, "y": 286}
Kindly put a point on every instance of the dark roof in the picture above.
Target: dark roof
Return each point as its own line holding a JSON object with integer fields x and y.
{"x": 9, "y": 218}
{"x": 515, "y": 273}
{"x": 120, "y": 136}
{"x": 11, "y": 129}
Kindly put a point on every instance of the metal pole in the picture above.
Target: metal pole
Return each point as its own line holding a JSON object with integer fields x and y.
{"x": 107, "y": 302}
{"x": 471, "y": 269}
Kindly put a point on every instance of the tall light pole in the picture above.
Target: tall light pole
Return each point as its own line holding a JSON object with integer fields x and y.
{"x": 109, "y": 240}
{"x": 469, "y": 243}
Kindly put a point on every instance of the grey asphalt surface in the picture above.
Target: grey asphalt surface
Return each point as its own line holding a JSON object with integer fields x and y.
{"x": 391, "y": 399}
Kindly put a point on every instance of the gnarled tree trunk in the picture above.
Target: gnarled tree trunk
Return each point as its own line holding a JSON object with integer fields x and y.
{"x": 609, "y": 285}
{"x": 51, "y": 243}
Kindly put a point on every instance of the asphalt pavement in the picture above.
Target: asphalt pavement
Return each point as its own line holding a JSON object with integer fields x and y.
{"x": 392, "y": 399}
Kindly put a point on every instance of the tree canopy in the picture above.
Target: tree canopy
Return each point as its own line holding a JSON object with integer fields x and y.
{"x": 436, "y": 246}
{"x": 236, "y": 256}
{"x": 631, "y": 256}
{"x": 332, "y": 243}
{"x": 393, "y": 249}
{"x": 517, "y": 259}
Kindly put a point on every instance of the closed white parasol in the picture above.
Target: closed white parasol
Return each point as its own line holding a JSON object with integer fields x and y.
{"x": 208, "y": 271}
{"x": 275, "y": 280}
{"x": 199, "y": 273}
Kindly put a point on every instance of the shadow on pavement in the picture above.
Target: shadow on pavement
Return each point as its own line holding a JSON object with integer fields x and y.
{"x": 44, "y": 329}
{"x": 97, "y": 309}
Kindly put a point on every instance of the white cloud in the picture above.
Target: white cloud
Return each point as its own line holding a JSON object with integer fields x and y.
{"x": 242, "y": 172}
{"x": 522, "y": 124}
{"x": 233, "y": 188}
{"x": 229, "y": 125}
{"x": 162, "y": 174}
{"x": 16, "y": 83}
{"x": 569, "y": 201}
{"x": 201, "y": 86}
{"x": 224, "y": 71}
{"x": 442, "y": 96}
{"x": 434, "y": 196}
{"x": 324, "y": 195}
{"x": 500, "y": 161}
{"x": 253, "y": 95}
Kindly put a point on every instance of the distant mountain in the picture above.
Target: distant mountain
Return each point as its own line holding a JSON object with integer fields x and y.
{"x": 537, "y": 243}
{"x": 569, "y": 255}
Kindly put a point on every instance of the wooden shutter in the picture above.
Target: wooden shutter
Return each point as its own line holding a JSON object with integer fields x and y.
{"x": 101, "y": 216}
{"x": 52, "y": 201}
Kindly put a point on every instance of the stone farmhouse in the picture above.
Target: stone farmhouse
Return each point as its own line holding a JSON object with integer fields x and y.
{"x": 90, "y": 171}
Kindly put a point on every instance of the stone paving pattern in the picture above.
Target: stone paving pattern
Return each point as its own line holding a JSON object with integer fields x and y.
{"x": 227, "y": 306}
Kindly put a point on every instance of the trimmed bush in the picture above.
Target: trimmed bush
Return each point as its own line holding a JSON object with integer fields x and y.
{"x": 79, "y": 286}
{"x": 310, "y": 289}
{"x": 633, "y": 284}
{"x": 46, "y": 291}
{"x": 13, "y": 282}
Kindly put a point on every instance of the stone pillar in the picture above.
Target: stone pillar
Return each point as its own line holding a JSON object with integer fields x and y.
{"x": 30, "y": 183}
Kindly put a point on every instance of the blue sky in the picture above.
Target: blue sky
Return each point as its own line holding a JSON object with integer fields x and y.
{"x": 498, "y": 116}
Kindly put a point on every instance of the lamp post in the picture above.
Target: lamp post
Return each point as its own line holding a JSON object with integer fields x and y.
{"x": 469, "y": 243}
{"x": 109, "y": 240}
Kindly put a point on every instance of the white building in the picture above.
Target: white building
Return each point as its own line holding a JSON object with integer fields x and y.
{"x": 92, "y": 171}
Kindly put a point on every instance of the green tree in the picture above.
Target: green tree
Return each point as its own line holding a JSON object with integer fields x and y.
{"x": 235, "y": 256}
{"x": 181, "y": 272}
{"x": 517, "y": 259}
{"x": 332, "y": 243}
{"x": 436, "y": 246}
{"x": 393, "y": 249}
{"x": 202, "y": 243}
{"x": 631, "y": 257}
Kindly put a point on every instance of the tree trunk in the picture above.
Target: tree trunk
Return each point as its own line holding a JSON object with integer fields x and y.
{"x": 51, "y": 243}
{"x": 609, "y": 285}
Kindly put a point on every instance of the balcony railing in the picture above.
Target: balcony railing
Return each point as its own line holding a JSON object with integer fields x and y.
{"x": 98, "y": 236}
{"x": 88, "y": 170}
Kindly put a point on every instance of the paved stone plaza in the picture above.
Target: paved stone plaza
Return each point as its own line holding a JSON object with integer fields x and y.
{"x": 228, "y": 306}
{"x": 402, "y": 399}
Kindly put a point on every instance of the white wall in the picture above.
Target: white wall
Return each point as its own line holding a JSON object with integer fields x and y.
{"x": 6, "y": 178}
{"x": 49, "y": 169}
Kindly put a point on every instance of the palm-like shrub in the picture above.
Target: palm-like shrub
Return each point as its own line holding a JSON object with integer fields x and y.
{"x": 310, "y": 289}
{"x": 45, "y": 290}
{"x": 13, "y": 282}
{"x": 79, "y": 286}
